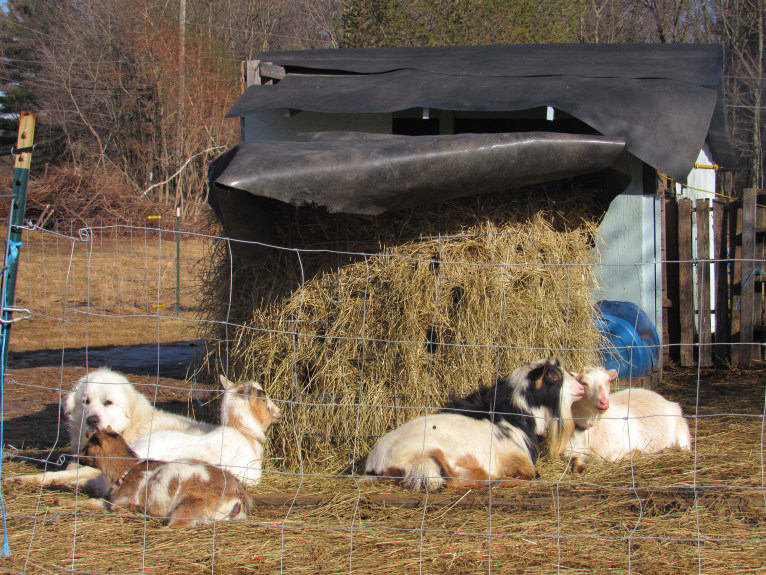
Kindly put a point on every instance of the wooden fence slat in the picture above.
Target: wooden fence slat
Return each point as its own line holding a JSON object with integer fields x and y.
{"x": 747, "y": 280}
{"x": 666, "y": 301}
{"x": 673, "y": 328}
{"x": 735, "y": 231}
{"x": 722, "y": 292}
{"x": 704, "y": 330}
{"x": 759, "y": 329}
{"x": 686, "y": 287}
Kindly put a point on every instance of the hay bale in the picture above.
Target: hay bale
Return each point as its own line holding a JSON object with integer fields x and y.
{"x": 367, "y": 342}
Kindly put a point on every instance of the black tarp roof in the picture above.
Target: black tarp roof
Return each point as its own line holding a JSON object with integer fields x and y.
{"x": 662, "y": 101}
{"x": 358, "y": 173}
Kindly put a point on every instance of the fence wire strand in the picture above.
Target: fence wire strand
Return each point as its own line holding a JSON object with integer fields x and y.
{"x": 129, "y": 281}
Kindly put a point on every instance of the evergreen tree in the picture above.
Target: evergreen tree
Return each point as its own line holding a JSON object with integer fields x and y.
{"x": 459, "y": 22}
{"x": 22, "y": 25}
{"x": 17, "y": 68}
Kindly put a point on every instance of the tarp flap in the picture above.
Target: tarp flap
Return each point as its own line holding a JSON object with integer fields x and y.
{"x": 663, "y": 100}
{"x": 361, "y": 173}
{"x": 698, "y": 64}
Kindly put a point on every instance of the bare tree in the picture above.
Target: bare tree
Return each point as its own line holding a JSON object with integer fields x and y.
{"x": 742, "y": 30}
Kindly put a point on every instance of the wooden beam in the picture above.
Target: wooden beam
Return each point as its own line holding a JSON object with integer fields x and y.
{"x": 249, "y": 74}
{"x": 720, "y": 237}
{"x": 269, "y": 70}
{"x": 747, "y": 298}
{"x": 685, "y": 284}
{"x": 760, "y": 276}
{"x": 666, "y": 301}
{"x": 670, "y": 276}
{"x": 704, "y": 331}
{"x": 735, "y": 234}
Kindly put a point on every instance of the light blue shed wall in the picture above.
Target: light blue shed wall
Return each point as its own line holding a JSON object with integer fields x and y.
{"x": 628, "y": 248}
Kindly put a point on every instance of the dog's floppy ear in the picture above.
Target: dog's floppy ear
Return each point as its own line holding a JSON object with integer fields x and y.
{"x": 69, "y": 404}
{"x": 71, "y": 400}
{"x": 225, "y": 383}
{"x": 94, "y": 439}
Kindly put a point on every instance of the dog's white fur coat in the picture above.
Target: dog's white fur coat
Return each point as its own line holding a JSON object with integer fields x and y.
{"x": 100, "y": 400}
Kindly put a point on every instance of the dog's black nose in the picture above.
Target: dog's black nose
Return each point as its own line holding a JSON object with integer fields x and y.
{"x": 92, "y": 420}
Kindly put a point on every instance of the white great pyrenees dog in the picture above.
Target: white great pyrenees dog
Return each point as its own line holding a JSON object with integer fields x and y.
{"x": 105, "y": 400}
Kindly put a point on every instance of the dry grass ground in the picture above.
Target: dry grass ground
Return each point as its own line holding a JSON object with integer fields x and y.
{"x": 116, "y": 287}
{"x": 640, "y": 516}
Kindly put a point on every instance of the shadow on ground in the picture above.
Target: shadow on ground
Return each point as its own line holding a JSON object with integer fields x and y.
{"x": 49, "y": 431}
{"x": 171, "y": 359}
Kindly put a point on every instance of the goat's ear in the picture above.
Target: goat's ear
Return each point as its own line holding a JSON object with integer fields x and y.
{"x": 612, "y": 373}
{"x": 553, "y": 375}
{"x": 94, "y": 439}
{"x": 225, "y": 383}
{"x": 275, "y": 412}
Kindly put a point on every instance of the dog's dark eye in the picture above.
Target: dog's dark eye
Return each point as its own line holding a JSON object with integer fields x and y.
{"x": 108, "y": 402}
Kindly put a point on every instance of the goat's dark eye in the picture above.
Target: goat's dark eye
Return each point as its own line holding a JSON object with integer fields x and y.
{"x": 87, "y": 401}
{"x": 108, "y": 402}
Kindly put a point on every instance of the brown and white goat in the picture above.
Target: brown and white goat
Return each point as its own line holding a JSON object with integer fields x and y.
{"x": 493, "y": 434}
{"x": 182, "y": 493}
{"x": 630, "y": 420}
{"x": 236, "y": 444}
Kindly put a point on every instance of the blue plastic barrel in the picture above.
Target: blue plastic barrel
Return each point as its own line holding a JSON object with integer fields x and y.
{"x": 634, "y": 349}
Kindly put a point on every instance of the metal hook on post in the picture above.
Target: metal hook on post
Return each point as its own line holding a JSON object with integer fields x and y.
{"x": 10, "y": 310}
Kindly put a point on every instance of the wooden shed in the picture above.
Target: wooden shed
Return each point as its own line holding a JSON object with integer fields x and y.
{"x": 369, "y": 131}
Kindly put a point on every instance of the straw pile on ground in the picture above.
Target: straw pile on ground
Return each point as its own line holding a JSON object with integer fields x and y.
{"x": 639, "y": 516}
{"x": 368, "y": 341}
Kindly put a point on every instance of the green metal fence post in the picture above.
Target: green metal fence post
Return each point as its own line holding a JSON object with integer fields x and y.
{"x": 25, "y": 141}
{"x": 21, "y": 167}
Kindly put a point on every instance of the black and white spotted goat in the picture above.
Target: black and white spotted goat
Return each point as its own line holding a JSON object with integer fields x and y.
{"x": 492, "y": 434}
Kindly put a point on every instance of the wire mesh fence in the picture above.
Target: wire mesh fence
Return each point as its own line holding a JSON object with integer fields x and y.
{"x": 106, "y": 295}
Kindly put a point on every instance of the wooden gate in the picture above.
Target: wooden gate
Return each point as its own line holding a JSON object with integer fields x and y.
{"x": 714, "y": 304}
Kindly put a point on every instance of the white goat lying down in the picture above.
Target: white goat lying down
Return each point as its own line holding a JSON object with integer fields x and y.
{"x": 236, "y": 445}
{"x": 182, "y": 493}
{"x": 610, "y": 427}
{"x": 104, "y": 399}
{"x": 495, "y": 433}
